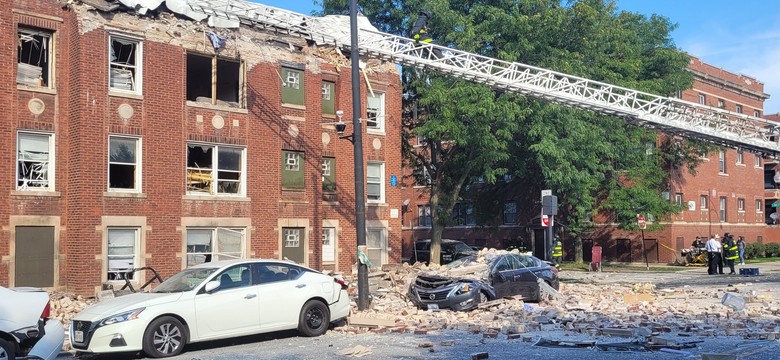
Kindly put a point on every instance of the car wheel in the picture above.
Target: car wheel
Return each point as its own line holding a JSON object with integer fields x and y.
{"x": 164, "y": 337}
{"x": 314, "y": 319}
{"x": 7, "y": 350}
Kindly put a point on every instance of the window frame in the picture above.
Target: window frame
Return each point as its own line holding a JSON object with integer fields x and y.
{"x": 678, "y": 199}
{"x": 214, "y": 252}
{"x": 137, "y": 78}
{"x": 702, "y": 99}
{"x": 757, "y": 161}
{"x": 117, "y": 276}
{"x": 424, "y": 217}
{"x": 738, "y": 109}
{"x": 379, "y": 119}
{"x": 137, "y": 172}
{"x": 214, "y": 93}
{"x": 740, "y": 157}
{"x": 510, "y": 218}
{"x": 50, "y": 168}
{"x": 759, "y": 206}
{"x": 214, "y": 180}
{"x": 329, "y": 234}
{"x": 380, "y": 182}
{"x": 704, "y": 202}
{"x": 722, "y": 209}
{"x": 296, "y": 90}
{"x": 329, "y": 104}
{"x": 328, "y": 175}
{"x": 740, "y": 204}
{"x": 722, "y": 162}
{"x": 296, "y": 176}
{"x": 49, "y": 75}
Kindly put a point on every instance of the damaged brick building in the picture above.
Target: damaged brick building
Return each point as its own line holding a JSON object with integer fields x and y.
{"x": 159, "y": 136}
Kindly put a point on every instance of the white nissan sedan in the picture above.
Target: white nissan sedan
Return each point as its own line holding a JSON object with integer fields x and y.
{"x": 211, "y": 301}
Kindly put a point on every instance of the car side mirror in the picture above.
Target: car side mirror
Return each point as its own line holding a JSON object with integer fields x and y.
{"x": 211, "y": 286}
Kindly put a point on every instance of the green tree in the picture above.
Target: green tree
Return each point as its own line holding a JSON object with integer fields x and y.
{"x": 592, "y": 161}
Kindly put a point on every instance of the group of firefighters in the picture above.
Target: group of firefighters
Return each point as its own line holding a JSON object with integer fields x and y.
{"x": 720, "y": 252}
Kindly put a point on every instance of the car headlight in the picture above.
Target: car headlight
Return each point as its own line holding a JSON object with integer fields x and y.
{"x": 118, "y": 318}
{"x": 463, "y": 289}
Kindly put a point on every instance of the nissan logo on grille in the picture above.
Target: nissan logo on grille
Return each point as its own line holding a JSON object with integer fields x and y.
{"x": 432, "y": 296}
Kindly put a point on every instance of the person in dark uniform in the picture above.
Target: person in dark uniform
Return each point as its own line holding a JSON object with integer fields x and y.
{"x": 557, "y": 252}
{"x": 420, "y": 32}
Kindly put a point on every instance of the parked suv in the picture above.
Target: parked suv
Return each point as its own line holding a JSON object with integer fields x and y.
{"x": 451, "y": 250}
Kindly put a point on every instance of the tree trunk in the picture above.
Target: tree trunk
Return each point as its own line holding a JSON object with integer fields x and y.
{"x": 578, "y": 249}
{"x": 436, "y": 230}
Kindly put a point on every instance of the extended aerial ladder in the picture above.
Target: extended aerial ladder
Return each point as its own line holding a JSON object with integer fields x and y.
{"x": 670, "y": 115}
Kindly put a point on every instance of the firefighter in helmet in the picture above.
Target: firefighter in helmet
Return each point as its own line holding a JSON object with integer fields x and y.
{"x": 557, "y": 252}
{"x": 420, "y": 28}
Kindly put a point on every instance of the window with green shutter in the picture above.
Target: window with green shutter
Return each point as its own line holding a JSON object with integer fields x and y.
{"x": 328, "y": 175}
{"x": 328, "y": 98}
{"x": 292, "y": 170}
{"x": 292, "y": 86}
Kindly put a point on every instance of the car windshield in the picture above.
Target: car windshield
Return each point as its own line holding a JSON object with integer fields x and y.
{"x": 186, "y": 280}
{"x": 462, "y": 248}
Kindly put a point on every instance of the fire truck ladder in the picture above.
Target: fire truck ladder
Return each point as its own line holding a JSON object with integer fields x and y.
{"x": 670, "y": 115}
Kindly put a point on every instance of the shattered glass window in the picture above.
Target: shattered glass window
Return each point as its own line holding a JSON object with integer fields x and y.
{"x": 34, "y": 162}
{"x": 375, "y": 111}
{"x": 123, "y": 169}
{"x": 121, "y": 253}
{"x": 124, "y": 64}
{"x": 201, "y": 177}
{"x": 33, "y": 66}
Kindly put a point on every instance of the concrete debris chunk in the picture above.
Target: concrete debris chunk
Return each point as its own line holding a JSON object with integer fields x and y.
{"x": 357, "y": 351}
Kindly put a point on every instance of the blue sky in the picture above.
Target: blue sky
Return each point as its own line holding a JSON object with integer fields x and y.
{"x": 738, "y": 36}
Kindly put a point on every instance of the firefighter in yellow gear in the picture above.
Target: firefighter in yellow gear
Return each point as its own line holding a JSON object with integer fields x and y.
{"x": 420, "y": 28}
{"x": 557, "y": 252}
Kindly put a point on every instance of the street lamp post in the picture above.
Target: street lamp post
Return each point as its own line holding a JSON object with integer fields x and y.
{"x": 357, "y": 142}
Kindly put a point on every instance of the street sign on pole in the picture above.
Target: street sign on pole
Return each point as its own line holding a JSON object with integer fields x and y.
{"x": 545, "y": 220}
{"x": 546, "y": 193}
{"x": 640, "y": 220}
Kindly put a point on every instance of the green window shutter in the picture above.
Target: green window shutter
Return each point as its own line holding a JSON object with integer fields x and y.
{"x": 292, "y": 170}
{"x": 329, "y": 175}
{"x": 328, "y": 98}
{"x": 292, "y": 86}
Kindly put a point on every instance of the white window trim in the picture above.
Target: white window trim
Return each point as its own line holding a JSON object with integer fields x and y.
{"x": 215, "y": 170}
{"x": 759, "y": 206}
{"x": 381, "y": 183}
{"x": 331, "y": 258}
{"x": 138, "y": 168}
{"x": 138, "y": 78}
{"x": 51, "y": 169}
{"x": 380, "y": 119}
{"x": 741, "y": 205}
{"x": 384, "y": 247}
{"x": 703, "y": 202}
{"x": 757, "y": 162}
{"x": 49, "y": 34}
{"x": 136, "y": 251}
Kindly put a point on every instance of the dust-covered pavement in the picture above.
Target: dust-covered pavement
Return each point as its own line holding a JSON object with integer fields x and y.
{"x": 608, "y": 310}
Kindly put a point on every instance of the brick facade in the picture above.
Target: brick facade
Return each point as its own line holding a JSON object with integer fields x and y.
{"x": 81, "y": 113}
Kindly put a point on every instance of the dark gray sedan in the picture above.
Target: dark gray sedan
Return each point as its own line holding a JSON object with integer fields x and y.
{"x": 507, "y": 274}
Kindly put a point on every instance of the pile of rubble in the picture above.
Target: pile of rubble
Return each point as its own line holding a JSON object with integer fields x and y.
{"x": 596, "y": 309}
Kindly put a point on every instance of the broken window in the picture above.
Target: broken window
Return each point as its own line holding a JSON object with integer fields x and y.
{"x": 328, "y": 175}
{"x": 125, "y": 64}
{"x": 123, "y": 168}
{"x": 214, "y": 244}
{"x": 214, "y": 80}
{"x": 292, "y": 170}
{"x": 35, "y": 162}
{"x": 33, "y": 66}
{"x": 375, "y": 112}
{"x": 292, "y": 86}
{"x": 328, "y": 98}
{"x": 204, "y": 178}
{"x": 122, "y": 244}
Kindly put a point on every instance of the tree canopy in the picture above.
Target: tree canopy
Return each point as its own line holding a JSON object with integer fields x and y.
{"x": 593, "y": 162}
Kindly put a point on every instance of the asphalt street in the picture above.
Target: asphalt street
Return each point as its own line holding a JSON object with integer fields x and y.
{"x": 289, "y": 346}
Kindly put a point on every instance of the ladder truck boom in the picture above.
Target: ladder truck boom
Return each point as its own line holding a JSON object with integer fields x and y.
{"x": 670, "y": 115}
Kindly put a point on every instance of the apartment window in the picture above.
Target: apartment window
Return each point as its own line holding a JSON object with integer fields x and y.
{"x": 34, "y": 58}
{"x": 214, "y": 244}
{"x": 722, "y": 161}
{"x": 124, "y": 168}
{"x": 756, "y": 161}
{"x": 124, "y": 64}
{"x": 739, "y": 109}
{"x": 463, "y": 214}
{"x": 422, "y": 176}
{"x": 292, "y": 170}
{"x": 510, "y": 213}
{"x": 375, "y": 112}
{"x": 375, "y": 184}
{"x": 376, "y": 245}
{"x": 292, "y": 237}
{"x": 35, "y": 161}
{"x": 678, "y": 199}
{"x": 722, "y": 210}
{"x": 721, "y": 104}
{"x": 424, "y": 215}
{"x": 328, "y": 98}
{"x": 122, "y": 249}
{"x": 703, "y": 202}
{"x": 759, "y": 205}
{"x": 702, "y": 99}
{"x": 215, "y": 169}
{"x": 740, "y": 157}
{"x": 292, "y": 86}
{"x": 225, "y": 85}
{"x": 756, "y": 113}
{"x": 329, "y": 175}
{"x": 328, "y": 244}
{"x": 741, "y": 205}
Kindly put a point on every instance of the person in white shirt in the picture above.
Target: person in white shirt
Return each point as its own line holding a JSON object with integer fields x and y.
{"x": 713, "y": 248}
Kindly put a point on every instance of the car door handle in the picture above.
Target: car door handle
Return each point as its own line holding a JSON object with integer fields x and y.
{"x": 300, "y": 286}
{"x": 250, "y": 296}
